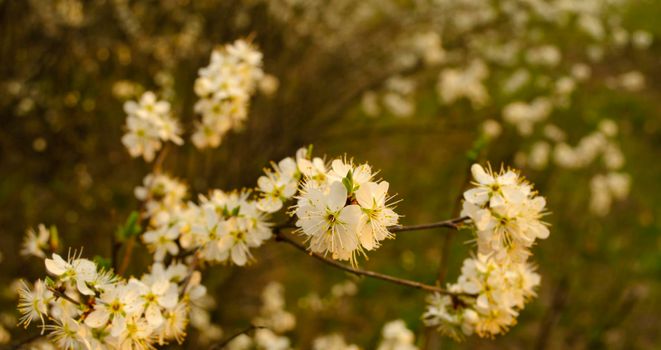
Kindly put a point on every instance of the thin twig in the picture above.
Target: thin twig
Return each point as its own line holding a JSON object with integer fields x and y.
{"x": 191, "y": 270}
{"x": 452, "y": 223}
{"x": 65, "y": 297}
{"x": 359, "y": 272}
{"x": 234, "y": 336}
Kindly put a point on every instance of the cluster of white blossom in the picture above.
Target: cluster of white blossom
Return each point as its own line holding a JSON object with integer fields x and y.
{"x": 506, "y": 213}
{"x": 342, "y": 209}
{"x": 161, "y": 195}
{"x": 457, "y": 83}
{"x": 498, "y": 291}
{"x": 334, "y": 341}
{"x": 224, "y": 88}
{"x": 518, "y": 69}
{"x": 149, "y": 123}
{"x": 493, "y": 287}
{"x": 273, "y": 321}
{"x": 606, "y": 188}
{"x": 396, "y": 336}
{"x": 279, "y": 184}
{"x": 85, "y": 307}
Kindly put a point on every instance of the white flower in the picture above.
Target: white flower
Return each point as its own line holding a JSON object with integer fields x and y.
{"x": 268, "y": 340}
{"x": 397, "y": 337}
{"x": 148, "y": 124}
{"x": 497, "y": 292}
{"x": 161, "y": 241}
{"x": 33, "y": 303}
{"x": 159, "y": 294}
{"x": 278, "y": 185}
{"x": 332, "y": 342}
{"x": 35, "y": 242}
{"x": 331, "y": 226}
{"x": 116, "y": 304}
{"x": 174, "y": 325}
{"x": 506, "y": 214}
{"x": 224, "y": 88}
{"x": 454, "y": 84}
{"x": 80, "y": 271}
{"x": 371, "y": 197}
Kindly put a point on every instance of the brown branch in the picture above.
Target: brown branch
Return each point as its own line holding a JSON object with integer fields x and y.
{"x": 59, "y": 294}
{"x": 452, "y": 223}
{"x": 359, "y": 272}
{"x": 193, "y": 265}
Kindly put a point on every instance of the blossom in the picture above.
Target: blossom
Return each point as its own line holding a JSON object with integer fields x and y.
{"x": 224, "y": 88}
{"x": 330, "y": 225}
{"x": 163, "y": 197}
{"x": 496, "y": 292}
{"x": 332, "y": 342}
{"x": 175, "y": 323}
{"x": 35, "y": 242}
{"x": 156, "y": 295}
{"x": 226, "y": 227}
{"x": 117, "y": 305}
{"x": 377, "y": 217}
{"x": 278, "y": 185}
{"x": 396, "y": 336}
{"x": 161, "y": 241}
{"x": 33, "y": 302}
{"x": 148, "y": 124}
{"x": 506, "y": 213}
{"x": 79, "y": 271}
{"x": 454, "y": 84}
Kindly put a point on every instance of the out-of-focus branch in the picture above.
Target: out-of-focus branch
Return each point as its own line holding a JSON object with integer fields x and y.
{"x": 225, "y": 342}
{"x": 553, "y": 314}
{"x": 130, "y": 242}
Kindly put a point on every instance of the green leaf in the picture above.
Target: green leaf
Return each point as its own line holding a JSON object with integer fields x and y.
{"x": 102, "y": 262}
{"x": 347, "y": 181}
{"x": 131, "y": 227}
{"x": 49, "y": 282}
{"x": 235, "y": 211}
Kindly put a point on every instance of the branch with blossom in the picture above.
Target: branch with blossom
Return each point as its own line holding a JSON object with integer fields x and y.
{"x": 340, "y": 209}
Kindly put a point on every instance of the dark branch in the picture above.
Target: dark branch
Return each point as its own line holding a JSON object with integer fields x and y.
{"x": 359, "y": 272}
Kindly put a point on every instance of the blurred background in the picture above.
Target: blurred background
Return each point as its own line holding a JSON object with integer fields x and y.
{"x": 567, "y": 91}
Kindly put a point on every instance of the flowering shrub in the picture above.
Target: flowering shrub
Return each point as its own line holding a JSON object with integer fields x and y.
{"x": 339, "y": 207}
{"x": 486, "y": 59}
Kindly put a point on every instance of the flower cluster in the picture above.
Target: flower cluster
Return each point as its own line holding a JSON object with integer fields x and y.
{"x": 494, "y": 286}
{"x": 273, "y": 321}
{"x": 506, "y": 213}
{"x": 342, "y": 209}
{"x": 161, "y": 195}
{"x": 279, "y": 184}
{"x": 149, "y": 124}
{"x": 92, "y": 308}
{"x": 395, "y": 336}
{"x": 224, "y": 88}
{"x": 498, "y": 292}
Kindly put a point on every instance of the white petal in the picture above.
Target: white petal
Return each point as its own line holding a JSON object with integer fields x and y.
{"x": 337, "y": 196}
{"x": 480, "y": 175}
{"x": 98, "y": 318}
